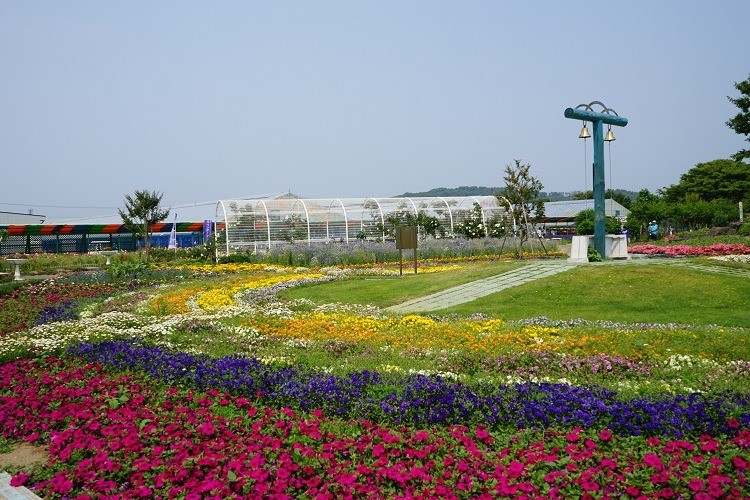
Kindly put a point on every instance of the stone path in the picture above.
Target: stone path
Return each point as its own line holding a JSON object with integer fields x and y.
{"x": 8, "y": 492}
{"x": 743, "y": 273}
{"x": 480, "y": 288}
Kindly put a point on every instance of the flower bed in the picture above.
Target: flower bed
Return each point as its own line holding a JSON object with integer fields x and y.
{"x": 21, "y": 308}
{"x": 428, "y": 400}
{"x": 127, "y": 436}
{"x": 248, "y": 395}
{"x": 715, "y": 249}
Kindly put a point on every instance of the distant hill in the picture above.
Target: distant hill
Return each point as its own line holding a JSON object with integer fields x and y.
{"x": 489, "y": 191}
{"x": 459, "y": 191}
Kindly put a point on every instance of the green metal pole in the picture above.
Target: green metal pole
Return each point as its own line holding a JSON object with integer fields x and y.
{"x": 598, "y": 120}
{"x": 599, "y": 219}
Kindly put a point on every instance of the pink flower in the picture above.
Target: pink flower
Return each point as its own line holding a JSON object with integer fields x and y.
{"x": 710, "y": 445}
{"x": 695, "y": 484}
{"x": 632, "y": 491}
{"x": 207, "y": 429}
{"x": 421, "y": 436}
{"x": 605, "y": 435}
{"x": 572, "y": 437}
{"x": 590, "y": 486}
{"x": 653, "y": 460}
{"x": 515, "y": 469}
{"x": 658, "y": 478}
{"x": 61, "y": 484}
{"x": 19, "y": 480}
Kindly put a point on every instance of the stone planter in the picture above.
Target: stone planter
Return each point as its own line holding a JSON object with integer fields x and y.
{"x": 17, "y": 263}
{"x": 108, "y": 254}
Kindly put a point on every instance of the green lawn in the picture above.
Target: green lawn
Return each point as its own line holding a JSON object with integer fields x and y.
{"x": 653, "y": 293}
{"x": 384, "y": 291}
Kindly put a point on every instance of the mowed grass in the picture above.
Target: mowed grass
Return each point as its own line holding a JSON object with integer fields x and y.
{"x": 650, "y": 293}
{"x": 384, "y": 291}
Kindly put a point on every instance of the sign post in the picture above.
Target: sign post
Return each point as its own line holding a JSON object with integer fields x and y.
{"x": 406, "y": 237}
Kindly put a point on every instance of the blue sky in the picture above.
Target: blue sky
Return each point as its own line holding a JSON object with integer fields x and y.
{"x": 212, "y": 100}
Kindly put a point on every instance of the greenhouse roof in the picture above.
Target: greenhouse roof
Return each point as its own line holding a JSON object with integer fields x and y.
{"x": 571, "y": 208}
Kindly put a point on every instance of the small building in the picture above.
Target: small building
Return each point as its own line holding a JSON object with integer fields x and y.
{"x": 13, "y": 218}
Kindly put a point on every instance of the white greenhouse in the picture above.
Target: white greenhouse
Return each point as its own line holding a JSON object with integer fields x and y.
{"x": 248, "y": 225}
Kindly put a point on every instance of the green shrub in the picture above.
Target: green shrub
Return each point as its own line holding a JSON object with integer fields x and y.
{"x": 744, "y": 229}
{"x": 593, "y": 255}
{"x": 129, "y": 269}
{"x": 585, "y": 223}
{"x": 237, "y": 258}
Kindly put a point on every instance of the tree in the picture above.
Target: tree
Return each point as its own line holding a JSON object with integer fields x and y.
{"x": 620, "y": 197}
{"x": 713, "y": 180}
{"x": 647, "y": 207}
{"x": 142, "y": 211}
{"x": 585, "y": 223}
{"x": 741, "y": 122}
{"x": 693, "y": 212}
{"x": 427, "y": 224}
{"x": 522, "y": 192}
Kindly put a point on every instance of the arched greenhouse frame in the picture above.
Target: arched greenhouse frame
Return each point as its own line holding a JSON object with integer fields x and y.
{"x": 251, "y": 225}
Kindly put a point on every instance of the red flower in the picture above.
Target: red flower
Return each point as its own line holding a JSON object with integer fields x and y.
{"x": 733, "y": 423}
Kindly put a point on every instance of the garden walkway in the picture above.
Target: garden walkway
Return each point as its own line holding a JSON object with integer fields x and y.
{"x": 480, "y": 288}
{"x": 743, "y": 273}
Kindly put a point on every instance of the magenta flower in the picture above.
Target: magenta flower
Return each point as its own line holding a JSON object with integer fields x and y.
{"x": 19, "y": 480}
{"x": 695, "y": 485}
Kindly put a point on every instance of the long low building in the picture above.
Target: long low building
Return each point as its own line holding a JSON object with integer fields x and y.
{"x": 14, "y": 218}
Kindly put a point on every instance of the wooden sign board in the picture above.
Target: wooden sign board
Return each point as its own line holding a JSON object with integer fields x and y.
{"x": 406, "y": 237}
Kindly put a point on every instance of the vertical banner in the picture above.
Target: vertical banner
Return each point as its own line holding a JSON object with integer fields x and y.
{"x": 208, "y": 229}
{"x": 173, "y": 234}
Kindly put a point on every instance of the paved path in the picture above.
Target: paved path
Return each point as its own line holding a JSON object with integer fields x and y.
{"x": 743, "y": 273}
{"x": 486, "y": 286}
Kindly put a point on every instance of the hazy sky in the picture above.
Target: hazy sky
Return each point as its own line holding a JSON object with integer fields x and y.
{"x": 223, "y": 99}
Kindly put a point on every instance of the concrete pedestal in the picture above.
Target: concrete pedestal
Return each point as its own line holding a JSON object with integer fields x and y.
{"x": 579, "y": 249}
{"x": 616, "y": 246}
